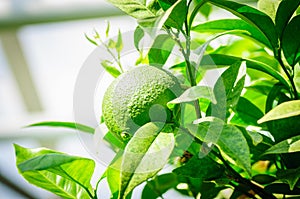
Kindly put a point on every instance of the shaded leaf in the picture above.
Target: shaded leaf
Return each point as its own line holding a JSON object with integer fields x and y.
{"x": 283, "y": 110}
{"x": 201, "y": 168}
{"x": 64, "y": 175}
{"x": 253, "y": 16}
{"x": 284, "y": 13}
{"x": 282, "y": 188}
{"x": 70, "y": 125}
{"x": 287, "y": 146}
{"x": 145, "y": 154}
{"x": 291, "y": 41}
{"x": 290, "y": 176}
{"x": 159, "y": 185}
{"x": 223, "y": 25}
{"x": 264, "y": 178}
{"x": 228, "y": 138}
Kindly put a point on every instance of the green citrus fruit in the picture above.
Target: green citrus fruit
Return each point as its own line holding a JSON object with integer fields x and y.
{"x": 137, "y": 97}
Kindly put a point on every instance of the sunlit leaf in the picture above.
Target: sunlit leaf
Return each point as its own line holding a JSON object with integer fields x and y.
{"x": 64, "y": 175}
{"x": 253, "y": 16}
{"x": 213, "y": 60}
{"x": 283, "y": 110}
{"x": 110, "y": 68}
{"x": 269, "y": 7}
{"x": 223, "y": 25}
{"x": 119, "y": 43}
{"x": 290, "y": 145}
{"x": 145, "y": 154}
{"x": 228, "y": 138}
{"x": 71, "y": 125}
{"x": 297, "y": 77}
{"x": 138, "y": 35}
{"x": 160, "y": 50}
{"x": 194, "y": 93}
{"x": 146, "y": 12}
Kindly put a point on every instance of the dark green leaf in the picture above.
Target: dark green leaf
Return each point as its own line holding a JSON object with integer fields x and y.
{"x": 176, "y": 14}
{"x": 287, "y": 146}
{"x": 284, "y": 13}
{"x": 64, "y": 175}
{"x": 166, "y": 4}
{"x": 138, "y": 35}
{"x": 110, "y": 68}
{"x": 223, "y": 25}
{"x": 253, "y": 16}
{"x": 228, "y": 138}
{"x": 246, "y": 113}
{"x": 283, "y": 110}
{"x": 282, "y": 188}
{"x": 145, "y": 154}
{"x": 291, "y": 41}
{"x": 201, "y": 168}
{"x": 159, "y": 185}
{"x": 160, "y": 50}
{"x": 290, "y": 176}
{"x": 71, "y": 125}
{"x": 213, "y": 60}
{"x": 264, "y": 178}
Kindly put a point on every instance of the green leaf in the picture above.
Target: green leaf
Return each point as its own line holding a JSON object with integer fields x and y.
{"x": 108, "y": 66}
{"x": 193, "y": 93}
{"x": 291, "y": 41}
{"x": 297, "y": 77}
{"x": 284, "y": 13}
{"x": 282, "y": 188}
{"x": 253, "y": 16}
{"x": 201, "y": 168}
{"x": 138, "y": 35}
{"x": 114, "y": 140}
{"x": 64, "y": 175}
{"x": 119, "y": 43}
{"x": 145, "y": 154}
{"x": 290, "y": 176}
{"x": 223, "y": 25}
{"x": 70, "y": 125}
{"x": 264, "y": 178}
{"x": 107, "y": 29}
{"x": 246, "y": 113}
{"x": 159, "y": 185}
{"x": 228, "y": 138}
{"x": 227, "y": 91}
{"x": 146, "y": 12}
{"x": 176, "y": 14}
{"x": 160, "y": 50}
{"x": 283, "y": 110}
{"x": 269, "y": 7}
{"x": 166, "y": 4}
{"x": 290, "y": 145}
{"x": 211, "y": 60}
